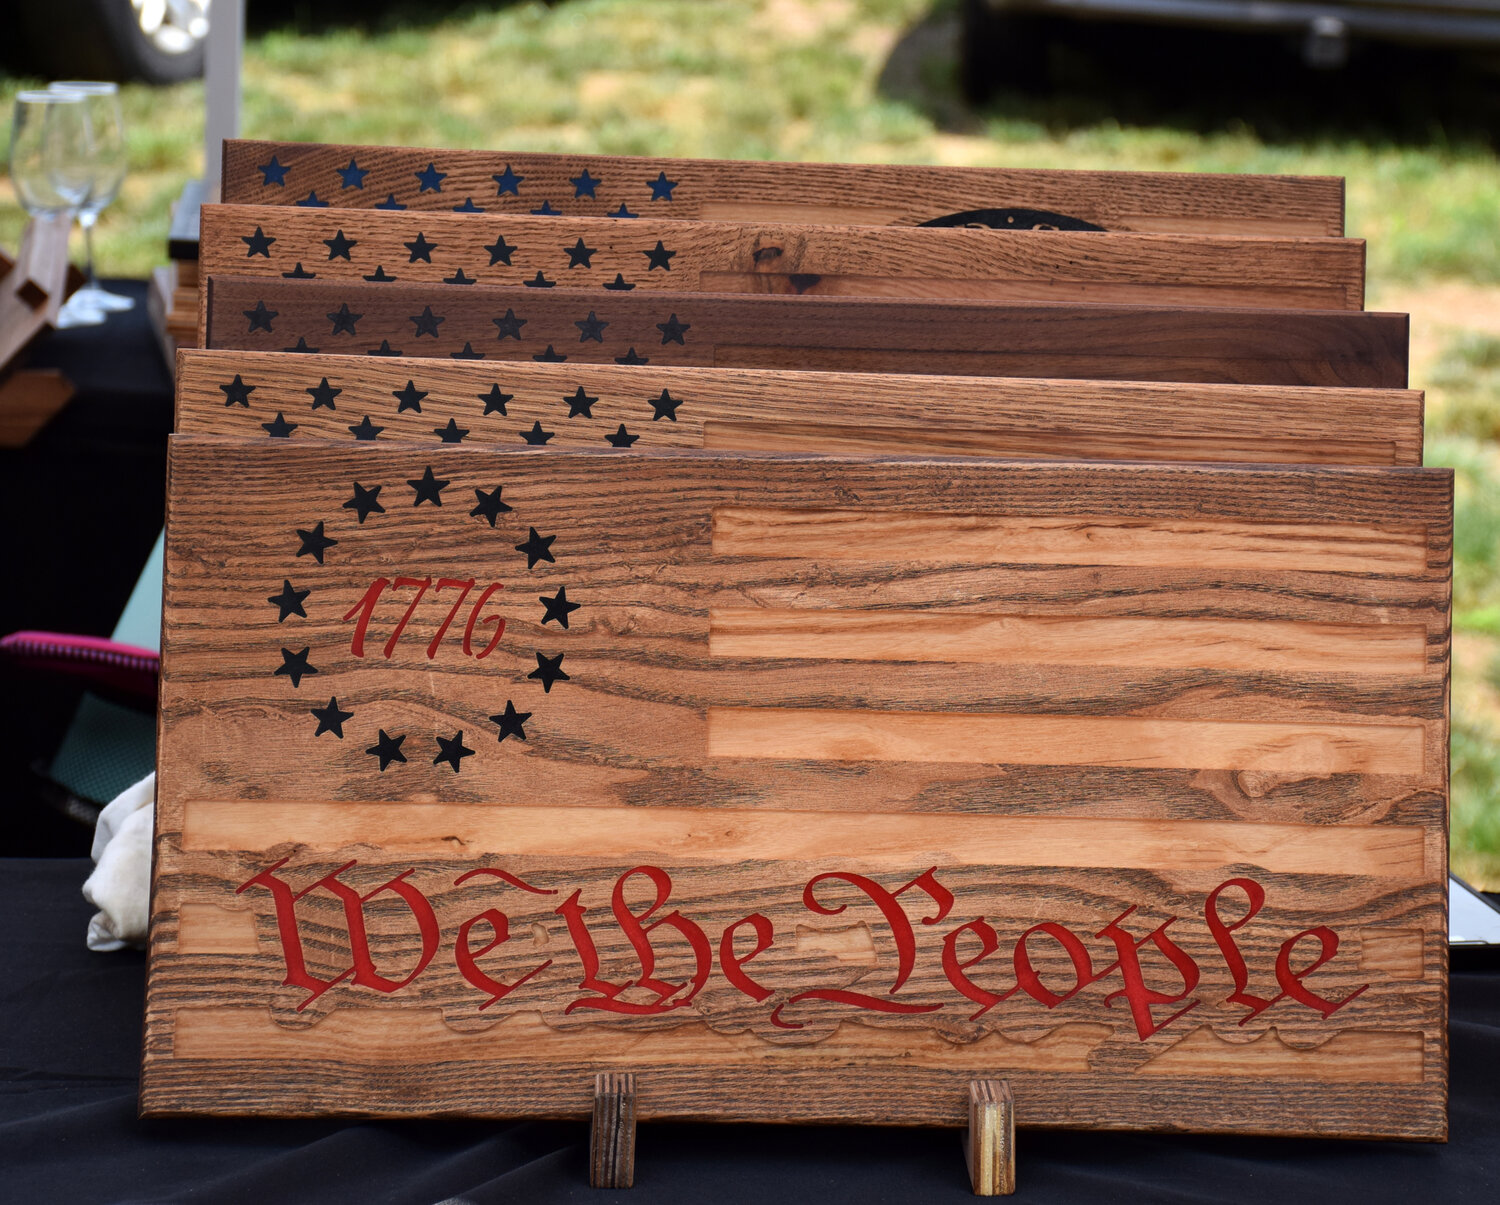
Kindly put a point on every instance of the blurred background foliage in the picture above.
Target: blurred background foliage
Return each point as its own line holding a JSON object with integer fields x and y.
{"x": 876, "y": 80}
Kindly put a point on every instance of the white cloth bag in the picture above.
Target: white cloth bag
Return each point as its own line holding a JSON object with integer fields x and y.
{"x": 120, "y": 886}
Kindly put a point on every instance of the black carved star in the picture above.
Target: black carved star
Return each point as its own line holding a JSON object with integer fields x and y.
{"x": 590, "y": 328}
{"x": 343, "y": 320}
{"x": 579, "y": 255}
{"x": 380, "y": 276}
{"x": 489, "y": 505}
{"x": 365, "y": 502}
{"x": 468, "y": 207}
{"x": 584, "y": 185}
{"x": 466, "y": 352}
{"x": 365, "y": 429}
{"x": 495, "y": 400}
{"x": 338, "y": 246}
{"x": 536, "y": 435}
{"x": 619, "y": 284}
{"x": 452, "y": 751}
{"x": 548, "y": 670}
{"x": 273, "y": 173}
{"x": 622, "y": 212}
{"x": 302, "y": 348}
{"x": 539, "y": 281}
{"x": 659, "y": 257}
{"x": 314, "y": 542}
{"x": 558, "y": 606}
{"x": 430, "y": 179}
{"x": 299, "y": 273}
{"x": 260, "y": 317}
{"x": 665, "y": 405}
{"x": 331, "y": 718}
{"x": 428, "y": 488}
{"x": 673, "y": 331}
{"x": 259, "y": 243}
{"x": 661, "y": 188}
{"x": 313, "y": 201}
{"x": 420, "y": 248}
{"x": 546, "y": 211}
{"x": 426, "y": 322}
{"x": 409, "y": 398}
{"x": 508, "y": 182}
{"x": 237, "y": 393}
{"x": 295, "y": 666}
{"x": 500, "y": 251}
{"x": 632, "y": 358}
{"x": 323, "y": 394}
{"x": 452, "y": 433}
{"x": 510, "y": 326}
{"x": 550, "y": 356}
{"x": 289, "y": 601}
{"x": 580, "y": 403}
{"x": 388, "y": 749}
{"x": 621, "y": 438}
{"x": 279, "y": 428}
{"x": 390, "y": 202}
{"x": 385, "y": 349}
{"x": 511, "y": 721}
{"x": 352, "y": 176}
{"x": 458, "y": 278}
{"x": 537, "y": 548}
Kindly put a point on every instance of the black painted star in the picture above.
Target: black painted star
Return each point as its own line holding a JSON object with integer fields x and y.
{"x": 621, "y": 438}
{"x": 659, "y": 257}
{"x": 388, "y": 749}
{"x": 666, "y": 406}
{"x": 428, "y": 488}
{"x": 259, "y": 243}
{"x": 237, "y": 393}
{"x": 409, "y": 398}
{"x": 466, "y": 352}
{"x": 302, "y": 348}
{"x": 331, "y": 718}
{"x": 546, "y": 211}
{"x": 673, "y": 331}
{"x": 558, "y": 606}
{"x": 511, "y": 721}
{"x": 385, "y": 349}
{"x": 426, "y": 322}
{"x": 584, "y": 185}
{"x": 489, "y": 505}
{"x": 619, "y": 284}
{"x": 365, "y": 429}
{"x": 314, "y": 542}
{"x": 279, "y": 428}
{"x": 299, "y": 273}
{"x": 273, "y": 173}
{"x": 458, "y": 278}
{"x": 294, "y": 666}
{"x": 452, "y": 750}
{"x": 289, "y": 601}
{"x": 632, "y": 358}
{"x": 536, "y": 435}
{"x": 508, "y": 182}
{"x": 313, "y": 201}
{"x": 500, "y": 251}
{"x": 495, "y": 400}
{"x": 323, "y": 394}
{"x": 622, "y": 212}
{"x": 452, "y": 433}
{"x": 661, "y": 188}
{"x": 468, "y": 207}
{"x": 548, "y": 670}
{"x": 420, "y": 248}
{"x": 339, "y": 246}
{"x": 430, "y": 179}
{"x": 537, "y": 548}
{"x": 550, "y": 356}
{"x": 352, "y": 176}
{"x": 580, "y": 403}
{"x": 365, "y": 502}
{"x": 390, "y": 202}
{"x": 590, "y": 328}
{"x": 260, "y": 317}
{"x": 343, "y": 320}
{"x": 510, "y": 326}
{"x": 379, "y": 276}
{"x": 539, "y": 281}
{"x": 579, "y": 255}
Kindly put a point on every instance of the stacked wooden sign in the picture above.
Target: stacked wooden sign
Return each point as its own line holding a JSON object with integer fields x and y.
{"x": 574, "y": 705}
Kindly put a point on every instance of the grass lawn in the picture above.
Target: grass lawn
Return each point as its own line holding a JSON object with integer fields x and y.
{"x": 873, "y": 80}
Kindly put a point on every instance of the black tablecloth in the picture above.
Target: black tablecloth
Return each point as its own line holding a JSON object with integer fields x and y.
{"x": 70, "y": 1040}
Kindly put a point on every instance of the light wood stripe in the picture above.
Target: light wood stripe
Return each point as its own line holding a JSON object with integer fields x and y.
{"x": 1360, "y": 1056}
{"x": 1148, "y": 643}
{"x": 1004, "y": 539}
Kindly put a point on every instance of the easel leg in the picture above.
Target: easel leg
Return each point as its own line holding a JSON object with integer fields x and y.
{"x": 990, "y": 1140}
{"x": 612, "y": 1139}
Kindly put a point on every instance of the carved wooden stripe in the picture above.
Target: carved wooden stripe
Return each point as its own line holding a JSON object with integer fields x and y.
{"x": 1002, "y": 639}
{"x": 987, "y": 539}
{"x": 739, "y": 835}
{"x": 726, "y": 257}
{"x": 291, "y": 173}
{"x": 1370, "y": 1056}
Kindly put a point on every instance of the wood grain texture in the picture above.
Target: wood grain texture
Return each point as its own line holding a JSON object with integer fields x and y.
{"x": 1230, "y": 346}
{"x": 612, "y": 1136}
{"x": 615, "y": 770}
{"x": 833, "y": 193}
{"x": 990, "y": 1138}
{"x": 459, "y": 250}
{"x": 236, "y": 393}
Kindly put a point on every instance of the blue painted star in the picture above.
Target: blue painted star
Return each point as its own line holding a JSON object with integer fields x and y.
{"x": 353, "y": 176}
{"x": 430, "y": 179}
{"x": 273, "y": 173}
{"x": 661, "y": 187}
{"x": 508, "y": 182}
{"x": 259, "y": 243}
{"x": 500, "y": 251}
{"x": 546, "y": 211}
{"x": 584, "y": 185}
{"x": 420, "y": 248}
{"x": 339, "y": 246}
{"x": 313, "y": 201}
{"x": 579, "y": 254}
{"x": 622, "y": 212}
{"x": 390, "y": 202}
{"x": 468, "y": 207}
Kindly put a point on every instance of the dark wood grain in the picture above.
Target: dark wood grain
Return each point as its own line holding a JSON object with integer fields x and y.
{"x": 612, "y": 1138}
{"x": 990, "y": 1139}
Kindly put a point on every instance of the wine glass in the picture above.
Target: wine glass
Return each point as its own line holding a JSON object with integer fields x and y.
{"x": 48, "y": 144}
{"x": 106, "y": 132}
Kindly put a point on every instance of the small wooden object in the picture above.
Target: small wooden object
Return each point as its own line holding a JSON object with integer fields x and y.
{"x": 33, "y": 288}
{"x": 990, "y": 1139}
{"x": 612, "y": 1134}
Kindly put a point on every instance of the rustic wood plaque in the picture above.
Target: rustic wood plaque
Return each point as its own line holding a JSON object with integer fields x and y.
{"x": 291, "y": 243}
{"x": 801, "y": 788}
{"x": 362, "y": 398}
{"x": 313, "y": 175}
{"x": 1028, "y": 339}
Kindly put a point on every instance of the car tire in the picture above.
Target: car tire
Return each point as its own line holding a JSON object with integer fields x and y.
{"x": 103, "y": 39}
{"x": 1002, "y": 49}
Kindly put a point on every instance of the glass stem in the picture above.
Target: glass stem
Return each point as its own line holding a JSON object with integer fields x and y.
{"x": 87, "y": 222}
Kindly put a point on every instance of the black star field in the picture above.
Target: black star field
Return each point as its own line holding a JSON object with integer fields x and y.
{"x": 590, "y": 328}
{"x": 258, "y": 243}
{"x": 453, "y": 750}
{"x": 426, "y": 322}
{"x": 365, "y": 429}
{"x": 495, "y": 400}
{"x": 659, "y": 257}
{"x": 365, "y": 502}
{"x": 339, "y": 246}
{"x": 452, "y": 433}
{"x": 323, "y": 394}
{"x": 509, "y": 326}
{"x": 511, "y": 721}
{"x": 580, "y": 403}
{"x": 289, "y": 601}
{"x": 500, "y": 251}
{"x": 489, "y": 505}
{"x": 237, "y": 393}
{"x": 428, "y": 488}
{"x": 260, "y": 317}
{"x": 314, "y": 542}
{"x": 548, "y": 670}
{"x": 279, "y": 428}
{"x": 537, "y": 548}
{"x": 665, "y": 406}
{"x": 536, "y": 435}
{"x": 388, "y": 749}
{"x": 331, "y": 718}
{"x": 558, "y": 606}
{"x": 673, "y": 331}
{"x": 421, "y": 249}
{"x": 295, "y": 666}
{"x": 621, "y": 438}
{"x": 409, "y": 398}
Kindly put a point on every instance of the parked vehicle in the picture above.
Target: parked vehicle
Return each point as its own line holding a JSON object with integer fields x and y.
{"x": 160, "y": 41}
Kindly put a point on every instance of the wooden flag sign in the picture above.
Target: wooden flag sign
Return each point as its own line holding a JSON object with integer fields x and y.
{"x": 314, "y": 175}
{"x": 363, "y": 398}
{"x": 1036, "y": 339}
{"x": 286, "y": 242}
{"x": 801, "y": 788}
